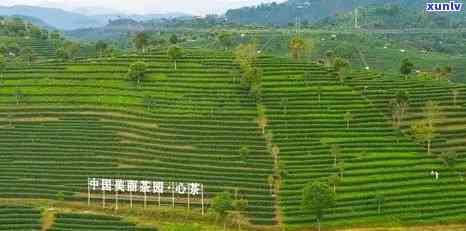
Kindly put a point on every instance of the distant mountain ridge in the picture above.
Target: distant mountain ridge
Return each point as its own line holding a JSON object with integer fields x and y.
{"x": 308, "y": 10}
{"x": 68, "y": 20}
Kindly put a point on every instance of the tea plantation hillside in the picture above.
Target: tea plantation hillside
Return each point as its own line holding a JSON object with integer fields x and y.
{"x": 62, "y": 123}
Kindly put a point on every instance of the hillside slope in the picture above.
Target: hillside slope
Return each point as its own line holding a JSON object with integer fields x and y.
{"x": 63, "y": 123}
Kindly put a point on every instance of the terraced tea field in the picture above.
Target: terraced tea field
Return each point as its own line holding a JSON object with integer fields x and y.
{"x": 62, "y": 123}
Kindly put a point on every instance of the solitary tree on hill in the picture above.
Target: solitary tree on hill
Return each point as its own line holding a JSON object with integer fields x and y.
{"x": 423, "y": 132}
{"x": 244, "y": 152}
{"x": 100, "y": 47}
{"x": 222, "y": 203}
{"x": 27, "y": 55}
{"x": 329, "y": 58}
{"x": 336, "y": 152}
{"x": 261, "y": 118}
{"x": 317, "y": 197}
{"x": 334, "y": 180}
{"x": 399, "y": 107}
{"x": 238, "y": 216}
{"x": 296, "y": 46}
{"x": 340, "y": 64}
{"x": 341, "y": 168}
{"x": 348, "y": 118}
{"x": 140, "y": 41}
{"x": 175, "y": 53}
{"x": 246, "y": 56}
{"x": 137, "y": 71}
{"x": 71, "y": 49}
{"x": 174, "y": 39}
{"x": 379, "y": 200}
{"x": 406, "y": 68}
{"x": 226, "y": 39}
{"x": 432, "y": 112}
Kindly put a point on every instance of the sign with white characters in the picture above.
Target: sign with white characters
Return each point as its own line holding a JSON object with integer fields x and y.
{"x": 123, "y": 186}
{"x": 143, "y": 186}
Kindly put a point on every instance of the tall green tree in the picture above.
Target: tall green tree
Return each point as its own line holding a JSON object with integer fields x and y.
{"x": 379, "y": 200}
{"x": 174, "y": 39}
{"x": 141, "y": 40}
{"x": 297, "y": 47}
{"x": 27, "y": 55}
{"x": 340, "y": 64}
{"x": 238, "y": 216}
{"x": 244, "y": 152}
{"x": 406, "y": 68}
{"x": 175, "y": 53}
{"x": 329, "y": 58}
{"x": 317, "y": 197}
{"x": 226, "y": 39}
{"x": 336, "y": 153}
{"x": 100, "y": 47}
{"x": 246, "y": 56}
{"x": 399, "y": 106}
{"x": 71, "y": 49}
{"x": 432, "y": 112}
{"x": 222, "y": 203}
{"x": 137, "y": 71}
{"x": 348, "y": 118}
{"x": 334, "y": 180}
{"x": 423, "y": 133}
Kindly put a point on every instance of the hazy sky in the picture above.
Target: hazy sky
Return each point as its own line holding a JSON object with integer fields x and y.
{"x": 143, "y": 6}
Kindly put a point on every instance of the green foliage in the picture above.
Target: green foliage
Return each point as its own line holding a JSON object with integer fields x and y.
{"x": 251, "y": 81}
{"x": 226, "y": 39}
{"x": 379, "y": 200}
{"x": 244, "y": 152}
{"x": 240, "y": 205}
{"x": 246, "y": 56}
{"x": 141, "y": 41}
{"x": 60, "y": 196}
{"x": 432, "y": 112}
{"x": 423, "y": 132}
{"x": 334, "y": 180}
{"x": 27, "y": 55}
{"x": 297, "y": 46}
{"x": 70, "y": 49}
{"x": 174, "y": 53}
{"x": 174, "y": 39}
{"x": 100, "y": 47}
{"x": 222, "y": 203}
{"x": 137, "y": 71}
{"x": 316, "y": 198}
{"x": 406, "y": 67}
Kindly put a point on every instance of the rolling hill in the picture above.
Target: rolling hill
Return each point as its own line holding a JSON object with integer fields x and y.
{"x": 65, "y": 122}
{"x": 307, "y": 10}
